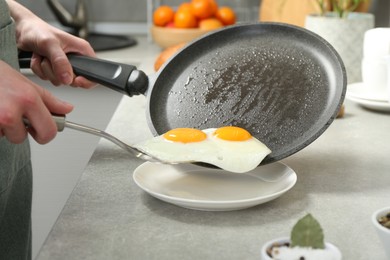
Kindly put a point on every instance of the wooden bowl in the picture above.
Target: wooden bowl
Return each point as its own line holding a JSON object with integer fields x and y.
{"x": 166, "y": 37}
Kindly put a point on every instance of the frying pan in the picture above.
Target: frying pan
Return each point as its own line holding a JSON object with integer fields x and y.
{"x": 282, "y": 83}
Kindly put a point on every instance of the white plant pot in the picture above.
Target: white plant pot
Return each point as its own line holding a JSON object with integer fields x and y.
{"x": 328, "y": 246}
{"x": 346, "y": 35}
{"x": 383, "y": 232}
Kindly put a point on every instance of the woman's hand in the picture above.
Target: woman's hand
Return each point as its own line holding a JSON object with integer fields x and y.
{"x": 49, "y": 46}
{"x": 22, "y": 98}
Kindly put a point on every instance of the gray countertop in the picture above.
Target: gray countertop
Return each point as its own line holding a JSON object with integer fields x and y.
{"x": 343, "y": 177}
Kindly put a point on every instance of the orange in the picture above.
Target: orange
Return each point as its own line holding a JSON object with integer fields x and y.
{"x": 185, "y": 19}
{"x": 203, "y": 9}
{"x": 186, "y": 6}
{"x": 214, "y": 7}
{"x": 226, "y": 15}
{"x": 210, "y": 24}
{"x": 163, "y": 15}
{"x": 166, "y": 55}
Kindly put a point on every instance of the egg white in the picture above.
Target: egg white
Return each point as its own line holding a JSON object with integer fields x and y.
{"x": 238, "y": 156}
{"x": 232, "y": 156}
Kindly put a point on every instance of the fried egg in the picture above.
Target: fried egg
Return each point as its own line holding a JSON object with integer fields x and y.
{"x": 230, "y": 148}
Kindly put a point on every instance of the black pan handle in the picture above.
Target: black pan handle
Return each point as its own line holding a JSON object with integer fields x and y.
{"x": 121, "y": 77}
{"x": 124, "y": 78}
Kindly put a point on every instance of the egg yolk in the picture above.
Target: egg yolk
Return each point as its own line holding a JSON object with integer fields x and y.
{"x": 185, "y": 135}
{"x": 232, "y": 133}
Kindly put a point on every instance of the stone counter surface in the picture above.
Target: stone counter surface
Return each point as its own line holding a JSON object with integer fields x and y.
{"x": 343, "y": 177}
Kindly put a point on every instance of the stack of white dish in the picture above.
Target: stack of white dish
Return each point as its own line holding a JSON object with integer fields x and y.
{"x": 374, "y": 91}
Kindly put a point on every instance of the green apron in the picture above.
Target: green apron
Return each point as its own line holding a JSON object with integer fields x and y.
{"x": 15, "y": 169}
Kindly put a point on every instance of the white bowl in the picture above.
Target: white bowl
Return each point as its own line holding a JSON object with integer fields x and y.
{"x": 383, "y": 232}
{"x": 282, "y": 240}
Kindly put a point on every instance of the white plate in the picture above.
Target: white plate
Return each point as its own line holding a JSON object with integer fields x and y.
{"x": 195, "y": 187}
{"x": 360, "y": 91}
{"x": 373, "y": 105}
{"x": 357, "y": 93}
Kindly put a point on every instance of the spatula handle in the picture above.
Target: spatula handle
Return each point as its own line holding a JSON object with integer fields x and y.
{"x": 60, "y": 121}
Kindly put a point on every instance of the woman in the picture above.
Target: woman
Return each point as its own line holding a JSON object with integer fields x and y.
{"x": 20, "y": 98}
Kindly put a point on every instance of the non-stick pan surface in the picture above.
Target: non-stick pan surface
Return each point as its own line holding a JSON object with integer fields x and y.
{"x": 282, "y": 83}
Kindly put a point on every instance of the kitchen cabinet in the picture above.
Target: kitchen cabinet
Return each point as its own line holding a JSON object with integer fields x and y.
{"x": 57, "y": 166}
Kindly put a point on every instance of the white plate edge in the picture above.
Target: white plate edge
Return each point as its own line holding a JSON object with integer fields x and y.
{"x": 267, "y": 198}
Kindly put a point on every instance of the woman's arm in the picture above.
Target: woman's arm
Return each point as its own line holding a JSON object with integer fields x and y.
{"x": 20, "y": 98}
{"x": 49, "y": 46}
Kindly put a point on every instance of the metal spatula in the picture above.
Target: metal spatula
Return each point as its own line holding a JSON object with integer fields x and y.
{"x": 61, "y": 123}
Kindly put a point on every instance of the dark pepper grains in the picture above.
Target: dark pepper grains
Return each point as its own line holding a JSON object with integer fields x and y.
{"x": 276, "y": 245}
{"x": 385, "y": 220}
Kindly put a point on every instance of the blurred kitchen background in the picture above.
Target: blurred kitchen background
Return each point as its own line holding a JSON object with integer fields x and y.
{"x": 53, "y": 183}
{"x": 132, "y": 16}
{"x": 128, "y": 16}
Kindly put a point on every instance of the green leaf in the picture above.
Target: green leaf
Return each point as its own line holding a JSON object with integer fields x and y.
{"x": 341, "y": 7}
{"x": 307, "y": 232}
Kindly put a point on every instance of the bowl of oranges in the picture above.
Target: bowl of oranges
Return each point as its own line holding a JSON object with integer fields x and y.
{"x": 190, "y": 20}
